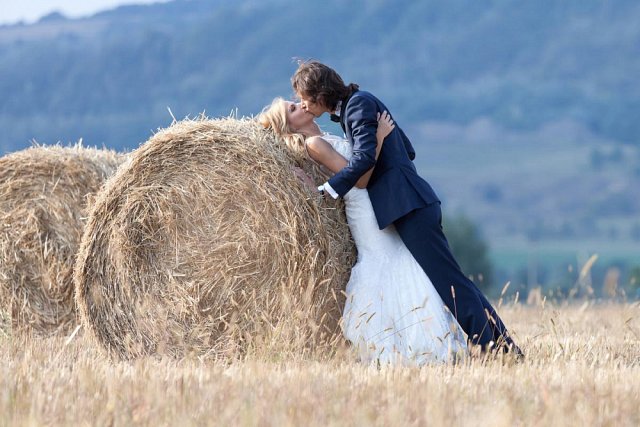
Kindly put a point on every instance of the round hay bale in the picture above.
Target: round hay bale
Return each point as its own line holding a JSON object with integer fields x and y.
{"x": 44, "y": 194}
{"x": 206, "y": 244}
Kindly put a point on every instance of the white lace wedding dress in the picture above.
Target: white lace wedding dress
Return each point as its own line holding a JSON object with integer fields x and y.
{"x": 393, "y": 314}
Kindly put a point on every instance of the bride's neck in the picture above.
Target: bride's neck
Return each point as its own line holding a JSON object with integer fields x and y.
{"x": 311, "y": 130}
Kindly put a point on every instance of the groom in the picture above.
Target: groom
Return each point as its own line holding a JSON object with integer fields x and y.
{"x": 399, "y": 196}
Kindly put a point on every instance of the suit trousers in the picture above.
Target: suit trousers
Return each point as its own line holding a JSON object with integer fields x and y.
{"x": 421, "y": 231}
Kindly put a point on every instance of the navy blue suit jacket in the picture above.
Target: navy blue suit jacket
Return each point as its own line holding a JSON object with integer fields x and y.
{"x": 395, "y": 189}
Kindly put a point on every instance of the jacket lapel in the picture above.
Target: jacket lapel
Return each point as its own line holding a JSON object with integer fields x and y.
{"x": 343, "y": 108}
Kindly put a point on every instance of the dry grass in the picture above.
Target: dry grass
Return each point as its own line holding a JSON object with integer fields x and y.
{"x": 205, "y": 243}
{"x": 582, "y": 368}
{"x": 44, "y": 193}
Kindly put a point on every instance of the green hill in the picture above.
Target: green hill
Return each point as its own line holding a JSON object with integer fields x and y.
{"x": 524, "y": 113}
{"x": 110, "y": 78}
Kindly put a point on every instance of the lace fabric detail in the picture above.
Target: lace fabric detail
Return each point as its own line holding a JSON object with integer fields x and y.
{"x": 339, "y": 144}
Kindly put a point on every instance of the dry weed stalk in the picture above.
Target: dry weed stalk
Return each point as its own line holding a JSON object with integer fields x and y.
{"x": 206, "y": 244}
{"x": 44, "y": 194}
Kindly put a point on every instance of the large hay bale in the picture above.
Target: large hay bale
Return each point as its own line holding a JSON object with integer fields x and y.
{"x": 44, "y": 193}
{"x": 206, "y": 244}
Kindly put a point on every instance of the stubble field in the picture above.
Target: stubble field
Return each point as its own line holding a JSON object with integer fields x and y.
{"x": 582, "y": 368}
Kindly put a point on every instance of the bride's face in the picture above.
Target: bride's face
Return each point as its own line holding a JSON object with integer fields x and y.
{"x": 296, "y": 116}
{"x": 312, "y": 107}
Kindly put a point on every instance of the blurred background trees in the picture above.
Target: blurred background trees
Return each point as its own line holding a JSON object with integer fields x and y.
{"x": 470, "y": 249}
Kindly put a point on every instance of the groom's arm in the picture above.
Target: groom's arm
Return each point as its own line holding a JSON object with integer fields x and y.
{"x": 361, "y": 115}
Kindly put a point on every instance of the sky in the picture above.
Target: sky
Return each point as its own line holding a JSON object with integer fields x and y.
{"x": 12, "y": 11}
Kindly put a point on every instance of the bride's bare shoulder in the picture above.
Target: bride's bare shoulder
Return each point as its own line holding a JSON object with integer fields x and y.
{"x": 319, "y": 148}
{"x": 317, "y": 143}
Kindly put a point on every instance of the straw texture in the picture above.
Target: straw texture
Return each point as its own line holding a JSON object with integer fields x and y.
{"x": 44, "y": 193}
{"x": 205, "y": 243}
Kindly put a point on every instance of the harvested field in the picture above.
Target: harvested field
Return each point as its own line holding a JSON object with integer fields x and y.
{"x": 582, "y": 368}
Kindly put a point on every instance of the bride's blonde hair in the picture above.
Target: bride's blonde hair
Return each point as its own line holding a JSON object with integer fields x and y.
{"x": 274, "y": 117}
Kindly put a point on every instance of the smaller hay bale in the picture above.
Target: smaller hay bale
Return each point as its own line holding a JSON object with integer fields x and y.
{"x": 44, "y": 192}
{"x": 206, "y": 244}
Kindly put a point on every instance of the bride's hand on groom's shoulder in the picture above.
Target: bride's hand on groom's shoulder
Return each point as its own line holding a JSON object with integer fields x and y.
{"x": 385, "y": 125}
{"x": 304, "y": 178}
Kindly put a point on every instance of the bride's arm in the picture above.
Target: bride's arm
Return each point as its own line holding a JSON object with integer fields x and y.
{"x": 385, "y": 126}
{"x": 322, "y": 152}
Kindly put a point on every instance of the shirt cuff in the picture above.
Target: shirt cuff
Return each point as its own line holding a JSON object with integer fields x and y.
{"x": 327, "y": 187}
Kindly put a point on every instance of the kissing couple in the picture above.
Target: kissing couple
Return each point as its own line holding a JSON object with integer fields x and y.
{"x": 408, "y": 302}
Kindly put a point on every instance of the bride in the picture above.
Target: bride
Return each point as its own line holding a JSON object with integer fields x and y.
{"x": 392, "y": 314}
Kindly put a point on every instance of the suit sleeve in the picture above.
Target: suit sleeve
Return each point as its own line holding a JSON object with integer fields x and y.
{"x": 361, "y": 117}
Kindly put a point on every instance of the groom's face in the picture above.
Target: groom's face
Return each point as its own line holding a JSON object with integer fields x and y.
{"x": 312, "y": 107}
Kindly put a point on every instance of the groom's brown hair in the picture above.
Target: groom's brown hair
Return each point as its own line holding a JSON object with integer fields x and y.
{"x": 321, "y": 84}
